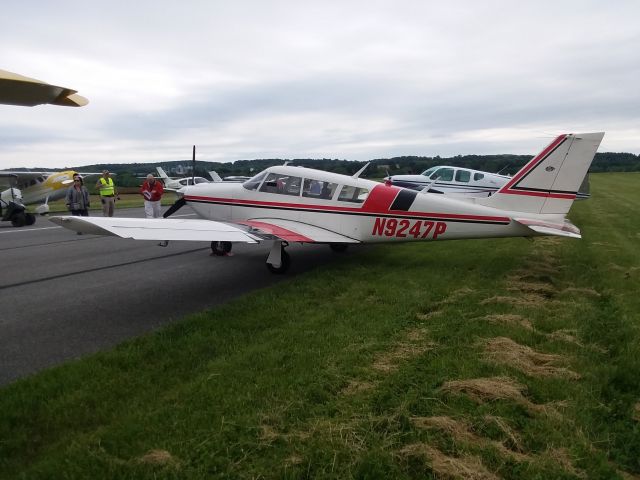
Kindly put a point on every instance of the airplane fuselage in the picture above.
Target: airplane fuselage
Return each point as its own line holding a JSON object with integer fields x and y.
{"x": 362, "y": 210}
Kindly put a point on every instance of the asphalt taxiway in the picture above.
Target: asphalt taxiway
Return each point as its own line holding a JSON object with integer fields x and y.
{"x": 64, "y": 296}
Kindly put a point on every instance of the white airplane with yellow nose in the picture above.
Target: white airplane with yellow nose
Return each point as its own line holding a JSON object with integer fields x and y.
{"x": 287, "y": 204}
{"x": 37, "y": 187}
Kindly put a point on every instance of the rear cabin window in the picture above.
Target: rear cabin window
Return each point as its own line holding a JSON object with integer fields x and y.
{"x": 443, "y": 174}
{"x": 318, "y": 189}
{"x": 282, "y": 184}
{"x": 353, "y": 194}
{"x": 478, "y": 176}
{"x": 463, "y": 176}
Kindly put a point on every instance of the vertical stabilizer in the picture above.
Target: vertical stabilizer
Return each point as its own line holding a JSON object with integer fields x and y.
{"x": 549, "y": 182}
{"x": 162, "y": 173}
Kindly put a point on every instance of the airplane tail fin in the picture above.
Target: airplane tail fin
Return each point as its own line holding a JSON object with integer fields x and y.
{"x": 549, "y": 183}
{"x": 162, "y": 173}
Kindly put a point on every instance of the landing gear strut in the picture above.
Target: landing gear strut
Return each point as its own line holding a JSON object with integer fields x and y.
{"x": 278, "y": 261}
{"x": 220, "y": 248}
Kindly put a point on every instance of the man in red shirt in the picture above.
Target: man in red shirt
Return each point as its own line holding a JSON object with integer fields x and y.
{"x": 152, "y": 191}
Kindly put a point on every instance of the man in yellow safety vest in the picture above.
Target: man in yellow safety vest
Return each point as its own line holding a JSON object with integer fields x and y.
{"x": 108, "y": 193}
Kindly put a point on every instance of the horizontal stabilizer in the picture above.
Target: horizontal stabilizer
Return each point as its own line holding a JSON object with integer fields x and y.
{"x": 157, "y": 228}
{"x": 566, "y": 229}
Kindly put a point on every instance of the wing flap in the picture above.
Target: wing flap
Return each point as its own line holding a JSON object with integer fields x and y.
{"x": 292, "y": 231}
{"x": 157, "y": 228}
{"x": 566, "y": 229}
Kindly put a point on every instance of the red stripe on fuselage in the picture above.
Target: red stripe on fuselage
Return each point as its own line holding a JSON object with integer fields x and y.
{"x": 279, "y": 232}
{"x": 303, "y": 207}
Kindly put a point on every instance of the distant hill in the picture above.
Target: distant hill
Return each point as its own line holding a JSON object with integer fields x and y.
{"x": 128, "y": 174}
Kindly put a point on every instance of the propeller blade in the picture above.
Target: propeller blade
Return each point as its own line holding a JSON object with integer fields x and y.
{"x": 181, "y": 202}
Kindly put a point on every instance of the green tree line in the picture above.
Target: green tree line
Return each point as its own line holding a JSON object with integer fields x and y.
{"x": 132, "y": 174}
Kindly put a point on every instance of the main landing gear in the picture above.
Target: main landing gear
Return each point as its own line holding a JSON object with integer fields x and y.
{"x": 278, "y": 260}
{"x": 220, "y": 249}
{"x": 16, "y": 214}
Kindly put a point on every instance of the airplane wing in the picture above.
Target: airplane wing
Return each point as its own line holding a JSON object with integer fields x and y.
{"x": 292, "y": 231}
{"x": 21, "y": 175}
{"x": 566, "y": 229}
{"x": 20, "y": 90}
{"x": 157, "y": 228}
{"x": 8, "y": 179}
{"x": 201, "y": 230}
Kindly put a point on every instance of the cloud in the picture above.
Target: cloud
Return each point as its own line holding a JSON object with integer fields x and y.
{"x": 351, "y": 80}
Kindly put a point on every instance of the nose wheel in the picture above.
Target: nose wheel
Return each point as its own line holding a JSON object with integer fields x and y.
{"x": 278, "y": 261}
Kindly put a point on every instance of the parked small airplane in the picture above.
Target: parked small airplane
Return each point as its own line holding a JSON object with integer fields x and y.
{"x": 293, "y": 204}
{"x": 463, "y": 182}
{"x": 452, "y": 181}
{"x": 27, "y": 188}
{"x": 236, "y": 178}
{"x": 232, "y": 178}
{"x": 177, "y": 183}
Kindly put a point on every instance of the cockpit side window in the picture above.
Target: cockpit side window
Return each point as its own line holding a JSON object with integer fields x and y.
{"x": 282, "y": 184}
{"x": 463, "y": 175}
{"x": 318, "y": 189}
{"x": 353, "y": 194}
{"x": 443, "y": 174}
{"x": 254, "y": 182}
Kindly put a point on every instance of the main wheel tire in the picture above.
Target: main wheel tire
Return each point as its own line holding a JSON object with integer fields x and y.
{"x": 338, "y": 247}
{"x": 284, "y": 265}
{"x": 19, "y": 220}
{"x": 30, "y": 218}
{"x": 220, "y": 248}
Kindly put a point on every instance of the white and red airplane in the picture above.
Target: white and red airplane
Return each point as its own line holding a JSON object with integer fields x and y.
{"x": 287, "y": 204}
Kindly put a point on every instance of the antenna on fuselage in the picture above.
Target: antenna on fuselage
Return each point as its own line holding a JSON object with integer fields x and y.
{"x": 357, "y": 174}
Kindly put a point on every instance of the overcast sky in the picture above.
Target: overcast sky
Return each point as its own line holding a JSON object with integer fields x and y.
{"x": 310, "y": 79}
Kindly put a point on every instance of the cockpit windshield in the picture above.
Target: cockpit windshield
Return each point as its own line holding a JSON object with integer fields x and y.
{"x": 428, "y": 172}
{"x": 254, "y": 182}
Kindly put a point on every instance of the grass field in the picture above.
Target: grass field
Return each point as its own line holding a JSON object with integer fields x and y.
{"x": 476, "y": 359}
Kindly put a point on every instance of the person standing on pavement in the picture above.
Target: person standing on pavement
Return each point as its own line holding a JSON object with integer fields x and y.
{"x": 152, "y": 191}
{"x": 108, "y": 193}
{"x": 77, "y": 198}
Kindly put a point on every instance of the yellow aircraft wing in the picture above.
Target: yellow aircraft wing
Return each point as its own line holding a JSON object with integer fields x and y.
{"x": 20, "y": 90}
